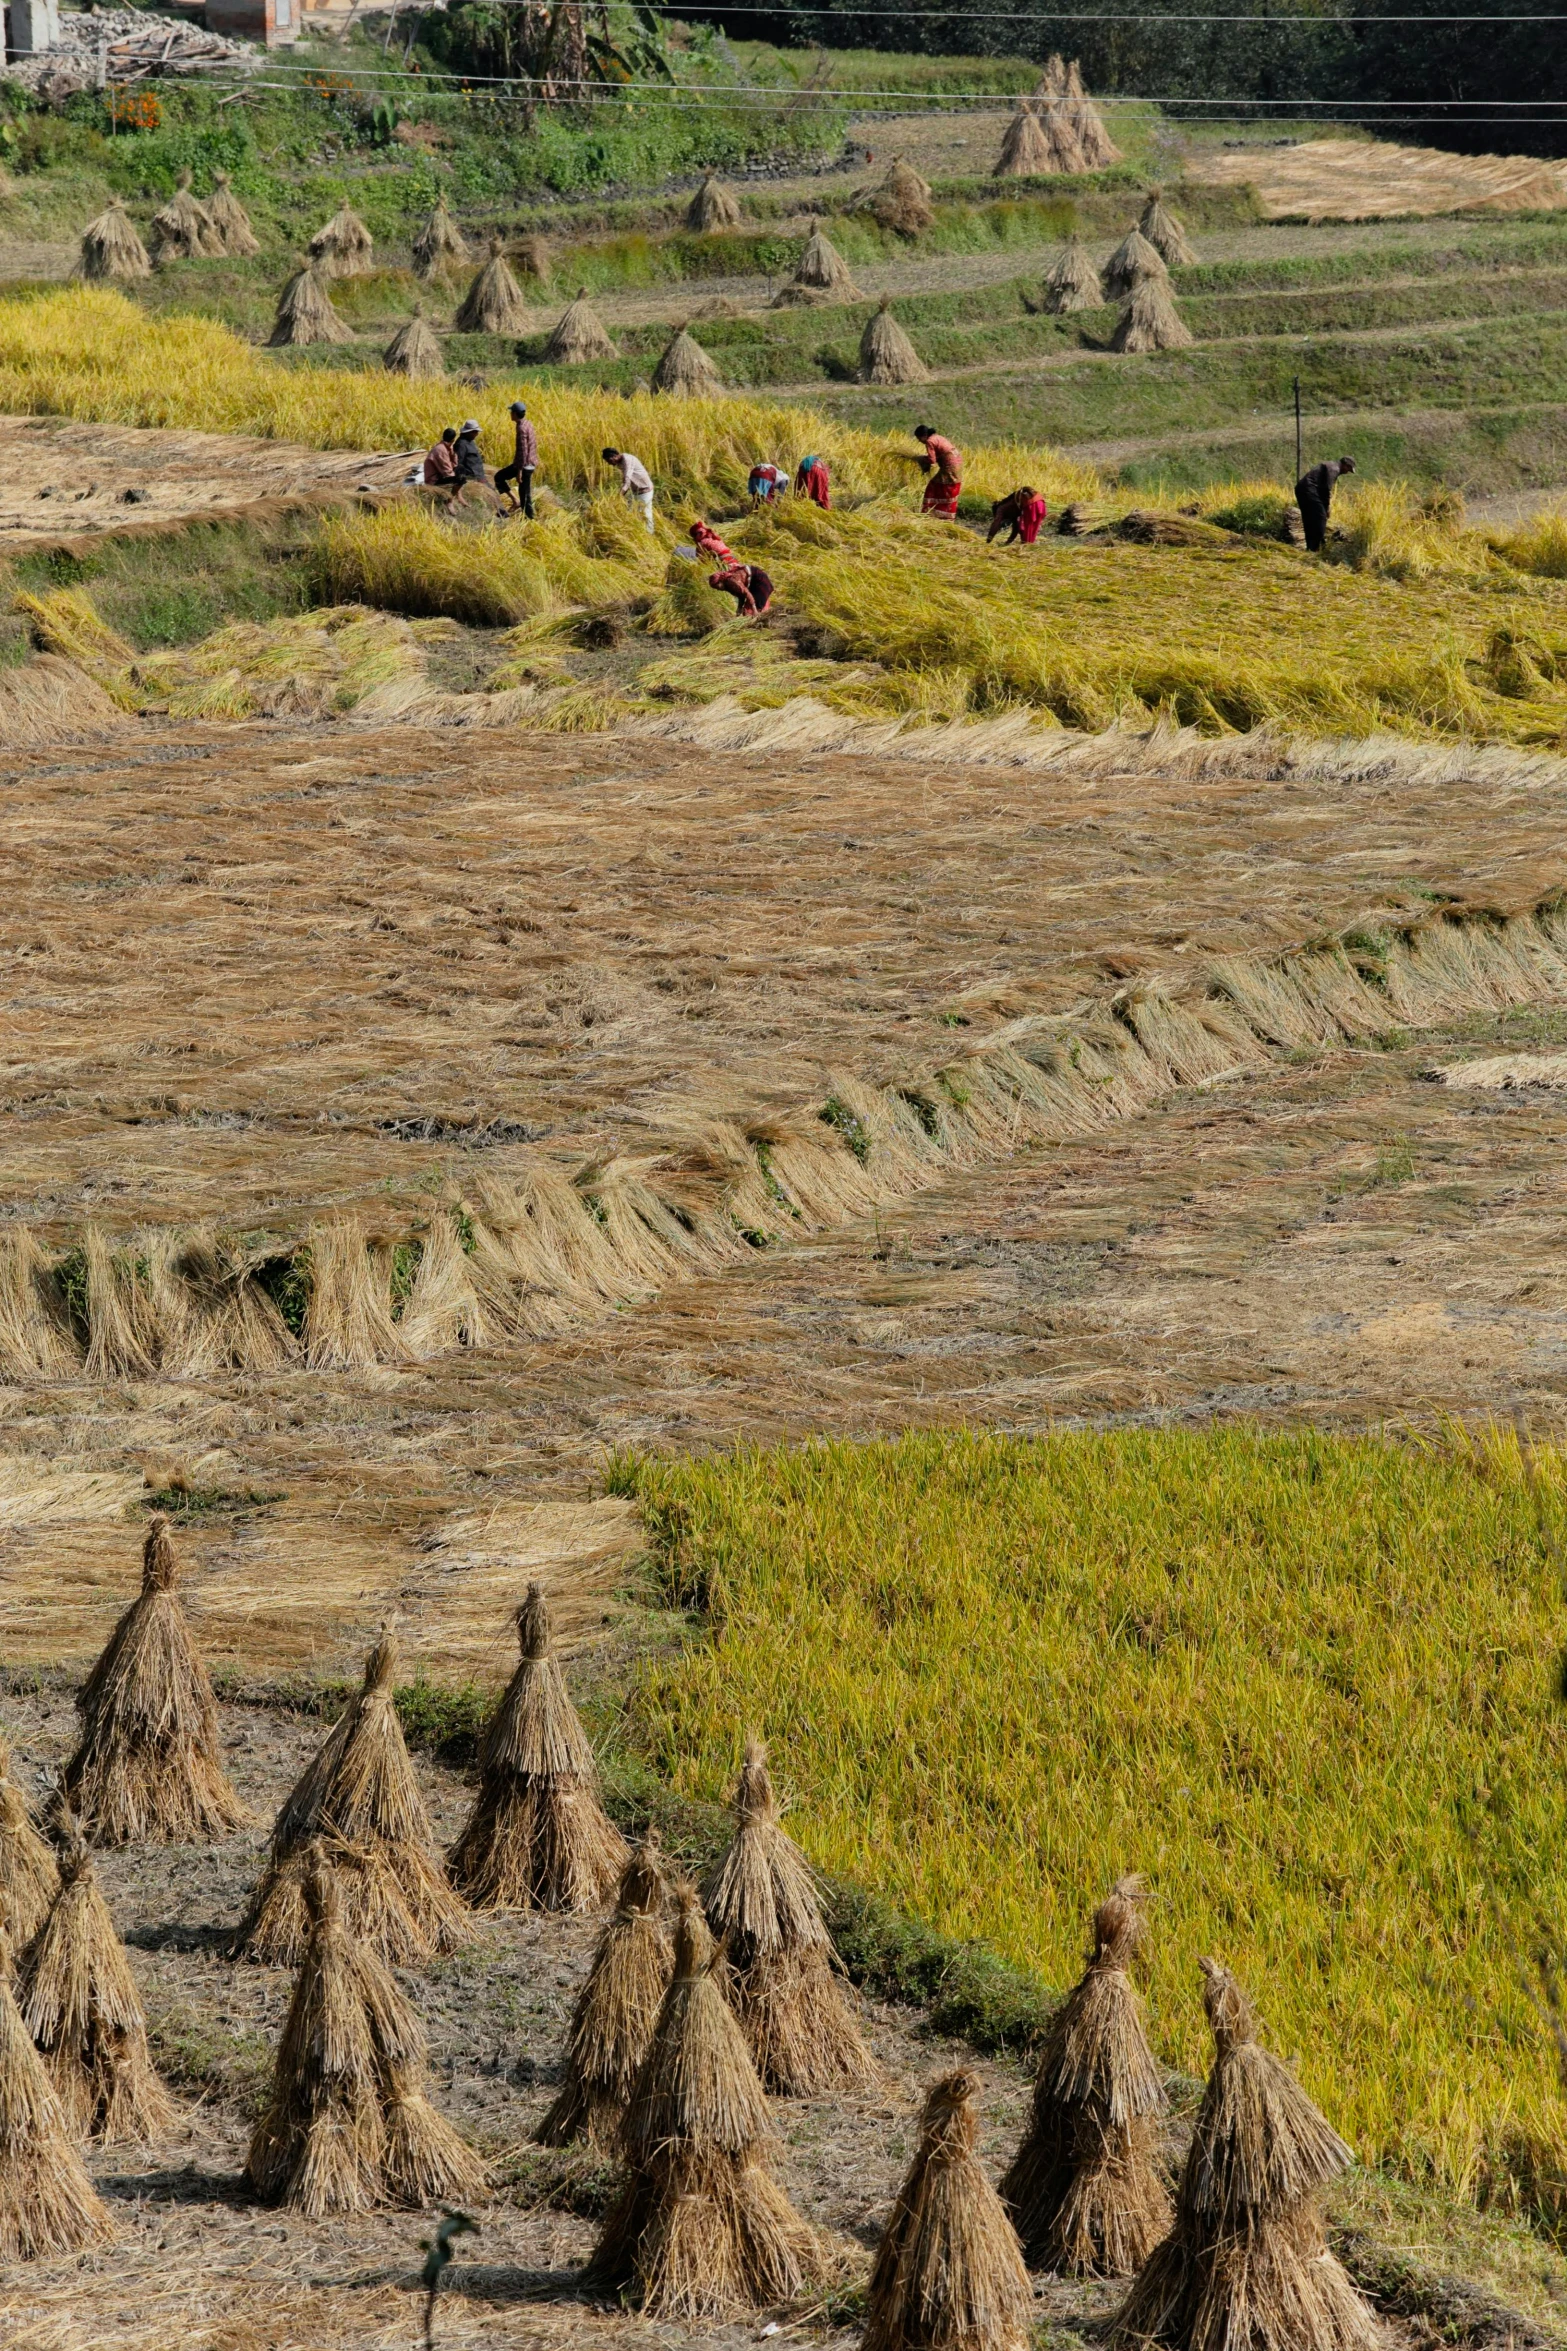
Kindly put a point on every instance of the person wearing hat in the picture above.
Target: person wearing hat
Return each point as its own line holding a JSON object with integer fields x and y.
{"x": 525, "y": 458}
{"x": 469, "y": 456}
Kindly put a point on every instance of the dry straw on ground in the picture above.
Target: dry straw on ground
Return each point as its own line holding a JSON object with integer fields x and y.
{"x": 685, "y": 370}
{"x": 702, "y": 2229}
{"x": 47, "y": 2202}
{"x": 617, "y": 2008}
{"x": 1025, "y": 149}
{"x": 1164, "y": 232}
{"x": 1247, "y": 2261}
{"x": 886, "y": 354}
{"x": 494, "y": 303}
{"x": 1072, "y": 282}
{"x": 342, "y": 246}
{"x": 948, "y": 2274}
{"x": 779, "y": 1973}
{"x": 111, "y": 248}
{"x": 712, "y": 207}
{"x": 230, "y": 220}
{"x": 820, "y": 275}
{"x": 579, "y": 335}
{"x": 414, "y": 350}
{"x": 305, "y": 313}
{"x": 1084, "y": 2189}
{"x": 439, "y": 247}
{"x": 29, "y": 1874}
{"x": 1150, "y": 321}
{"x": 147, "y": 1765}
{"x": 349, "y": 2124}
{"x": 181, "y": 230}
{"x": 359, "y": 1794}
{"x": 538, "y": 1837}
{"x": 901, "y": 202}
{"x": 79, "y": 2001}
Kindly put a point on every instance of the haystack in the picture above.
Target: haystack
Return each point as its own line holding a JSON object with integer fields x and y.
{"x": 702, "y": 2228}
{"x": 612, "y": 2023}
{"x": 414, "y": 350}
{"x": 712, "y": 207}
{"x": 821, "y": 275}
{"x": 761, "y": 1899}
{"x": 1072, "y": 282}
{"x": 579, "y": 336}
{"x": 532, "y": 257}
{"x": 29, "y": 1875}
{"x": 685, "y": 369}
{"x": 230, "y": 220}
{"x": 359, "y": 1795}
{"x": 1247, "y": 2261}
{"x": 1150, "y": 321}
{"x": 948, "y": 2275}
{"x": 886, "y": 354}
{"x": 305, "y": 313}
{"x": 440, "y": 246}
{"x": 1056, "y": 114}
{"x": 1164, "y": 232}
{"x": 182, "y": 230}
{"x": 1132, "y": 259}
{"x": 342, "y": 246}
{"x": 901, "y": 202}
{"x": 1084, "y": 2190}
{"x": 79, "y": 2002}
{"x": 110, "y": 246}
{"x": 147, "y": 1765}
{"x": 47, "y": 2202}
{"x": 1025, "y": 150}
{"x": 1097, "y": 146}
{"x": 537, "y": 1837}
{"x": 493, "y": 304}
{"x": 349, "y": 2124}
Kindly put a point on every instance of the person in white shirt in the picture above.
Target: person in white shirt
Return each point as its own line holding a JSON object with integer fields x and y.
{"x": 635, "y": 481}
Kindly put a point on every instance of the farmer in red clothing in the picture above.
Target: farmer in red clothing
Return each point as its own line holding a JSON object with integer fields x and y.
{"x": 707, "y": 542}
{"x": 1021, "y": 514}
{"x": 944, "y": 465}
{"x": 747, "y": 583}
{"x": 810, "y": 481}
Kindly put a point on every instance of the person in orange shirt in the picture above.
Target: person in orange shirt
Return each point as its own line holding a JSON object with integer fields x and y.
{"x": 944, "y": 464}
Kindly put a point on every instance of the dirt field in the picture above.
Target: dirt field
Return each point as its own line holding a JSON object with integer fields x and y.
{"x": 1373, "y": 179}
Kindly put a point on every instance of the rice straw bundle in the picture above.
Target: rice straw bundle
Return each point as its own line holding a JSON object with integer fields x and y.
{"x": 901, "y": 202}
{"x": 762, "y": 1901}
{"x": 493, "y": 304}
{"x": 685, "y": 370}
{"x": 440, "y": 246}
{"x": 349, "y": 2124}
{"x": 537, "y": 1837}
{"x": 147, "y": 1763}
{"x": 29, "y": 1874}
{"x": 702, "y": 2228}
{"x": 820, "y": 275}
{"x": 230, "y": 220}
{"x": 342, "y": 246}
{"x": 612, "y": 2023}
{"x": 1084, "y": 2190}
{"x": 1150, "y": 321}
{"x": 305, "y": 313}
{"x": 79, "y": 2002}
{"x": 886, "y": 354}
{"x": 181, "y": 231}
{"x": 1054, "y": 109}
{"x": 414, "y": 350}
{"x": 1097, "y": 147}
{"x": 1025, "y": 150}
{"x": 1072, "y": 282}
{"x": 1132, "y": 259}
{"x": 532, "y": 257}
{"x": 579, "y": 335}
{"x": 713, "y": 207}
{"x": 1164, "y": 232}
{"x": 948, "y": 2275}
{"x": 358, "y": 1794}
{"x": 110, "y": 246}
{"x": 1247, "y": 2263}
{"x": 47, "y": 2202}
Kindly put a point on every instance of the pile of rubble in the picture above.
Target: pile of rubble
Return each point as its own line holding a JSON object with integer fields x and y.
{"x": 121, "y": 45}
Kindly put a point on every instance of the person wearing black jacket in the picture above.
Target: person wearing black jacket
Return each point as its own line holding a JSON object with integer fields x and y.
{"x": 469, "y": 456}
{"x": 1314, "y": 496}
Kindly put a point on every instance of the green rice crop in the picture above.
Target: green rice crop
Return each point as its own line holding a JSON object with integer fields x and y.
{"x": 1307, "y": 1684}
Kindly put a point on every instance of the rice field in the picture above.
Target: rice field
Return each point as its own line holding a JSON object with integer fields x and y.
{"x": 1306, "y": 1684}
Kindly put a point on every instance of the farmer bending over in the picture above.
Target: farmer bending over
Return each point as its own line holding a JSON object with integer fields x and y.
{"x": 810, "y": 481}
{"x": 1314, "y": 496}
{"x": 747, "y": 583}
{"x": 764, "y": 483}
{"x": 944, "y": 465}
{"x": 707, "y": 542}
{"x": 524, "y": 461}
{"x": 1021, "y": 515}
{"x": 636, "y": 483}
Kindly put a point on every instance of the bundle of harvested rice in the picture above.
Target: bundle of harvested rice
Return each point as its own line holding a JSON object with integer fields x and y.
{"x": 948, "y": 2275}
{"x": 537, "y": 1837}
{"x": 110, "y": 246}
{"x": 1247, "y": 2261}
{"x": 182, "y": 230}
{"x": 359, "y": 1796}
{"x": 820, "y": 275}
{"x": 1164, "y": 232}
{"x": 712, "y": 207}
{"x": 1132, "y": 259}
{"x": 29, "y": 1875}
{"x": 305, "y": 313}
{"x": 47, "y": 2202}
{"x": 702, "y": 2229}
{"x": 341, "y": 247}
{"x": 1084, "y": 2190}
{"x": 439, "y": 246}
{"x": 493, "y": 304}
{"x": 761, "y": 1899}
{"x": 1150, "y": 321}
{"x": 901, "y": 202}
{"x": 579, "y": 335}
{"x": 414, "y": 350}
{"x": 349, "y": 2124}
{"x": 1057, "y": 116}
{"x": 1072, "y": 282}
{"x": 532, "y": 257}
{"x": 1025, "y": 150}
{"x": 79, "y": 2002}
{"x": 1097, "y": 147}
{"x": 230, "y": 220}
{"x": 612, "y": 2023}
{"x": 685, "y": 369}
{"x": 147, "y": 1764}
{"x": 886, "y": 354}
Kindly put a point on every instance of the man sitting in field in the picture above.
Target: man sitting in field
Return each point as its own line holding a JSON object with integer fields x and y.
{"x": 440, "y": 465}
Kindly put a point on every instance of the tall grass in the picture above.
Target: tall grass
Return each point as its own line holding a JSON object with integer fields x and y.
{"x": 1305, "y": 1683}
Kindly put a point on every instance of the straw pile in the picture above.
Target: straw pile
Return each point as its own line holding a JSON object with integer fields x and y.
{"x": 1084, "y": 2190}
{"x": 537, "y": 1837}
{"x": 712, "y": 207}
{"x": 1132, "y": 259}
{"x": 305, "y": 313}
{"x": 230, "y": 220}
{"x": 902, "y": 201}
{"x": 342, "y": 246}
{"x": 1150, "y": 321}
{"x": 29, "y": 1876}
{"x": 1247, "y": 2261}
{"x": 702, "y": 2229}
{"x": 1057, "y": 116}
{"x": 1025, "y": 150}
{"x": 948, "y": 2275}
{"x": 1097, "y": 147}
{"x": 110, "y": 246}
{"x": 414, "y": 350}
{"x": 182, "y": 230}
{"x": 78, "y": 2000}
{"x": 886, "y": 354}
{"x": 147, "y": 1763}
{"x": 532, "y": 257}
{"x": 761, "y": 1900}
{"x": 493, "y": 304}
{"x": 1072, "y": 282}
{"x": 612, "y": 2023}
{"x": 440, "y": 246}
{"x": 359, "y": 1797}
{"x": 685, "y": 370}
{"x": 821, "y": 275}
{"x": 47, "y": 2202}
{"x": 1164, "y": 232}
{"x": 349, "y": 2124}
{"x": 579, "y": 335}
